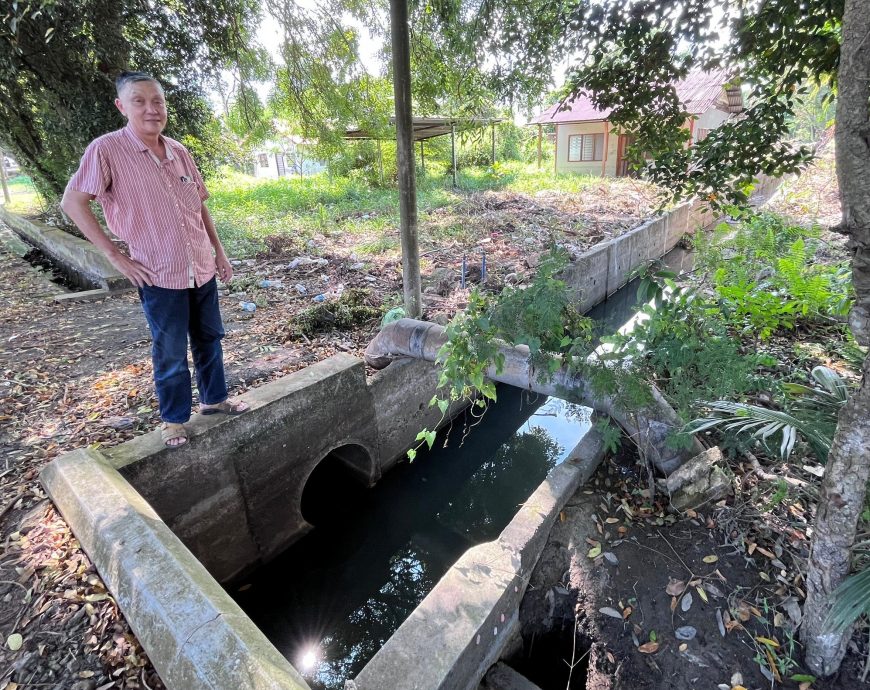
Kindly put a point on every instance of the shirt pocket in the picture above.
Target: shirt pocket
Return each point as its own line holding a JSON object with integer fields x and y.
{"x": 190, "y": 195}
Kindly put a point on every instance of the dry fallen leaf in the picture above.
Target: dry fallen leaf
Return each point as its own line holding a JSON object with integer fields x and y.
{"x": 710, "y": 559}
{"x": 608, "y": 611}
{"x": 594, "y": 552}
{"x": 649, "y": 647}
{"x": 14, "y": 642}
{"x": 686, "y": 602}
{"x": 675, "y": 587}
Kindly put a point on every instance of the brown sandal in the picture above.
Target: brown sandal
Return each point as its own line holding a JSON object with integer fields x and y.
{"x": 171, "y": 431}
{"x": 225, "y": 407}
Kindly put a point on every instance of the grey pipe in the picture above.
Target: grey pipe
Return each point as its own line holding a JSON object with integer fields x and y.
{"x": 649, "y": 428}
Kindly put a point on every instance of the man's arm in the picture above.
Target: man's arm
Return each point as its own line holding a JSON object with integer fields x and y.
{"x": 76, "y": 205}
{"x": 223, "y": 265}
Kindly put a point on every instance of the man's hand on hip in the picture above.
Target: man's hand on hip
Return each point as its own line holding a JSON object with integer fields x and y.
{"x": 135, "y": 272}
{"x": 224, "y": 268}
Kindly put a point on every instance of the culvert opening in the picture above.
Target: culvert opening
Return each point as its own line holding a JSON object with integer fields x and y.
{"x": 56, "y": 272}
{"x": 555, "y": 659}
{"x": 337, "y": 485}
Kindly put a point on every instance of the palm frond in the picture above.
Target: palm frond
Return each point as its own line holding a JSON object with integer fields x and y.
{"x": 762, "y": 423}
{"x": 850, "y": 600}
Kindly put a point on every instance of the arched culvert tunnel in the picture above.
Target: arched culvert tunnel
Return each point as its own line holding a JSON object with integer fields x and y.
{"x": 337, "y": 484}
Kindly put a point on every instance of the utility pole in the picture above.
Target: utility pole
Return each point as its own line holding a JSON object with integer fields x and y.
{"x": 405, "y": 158}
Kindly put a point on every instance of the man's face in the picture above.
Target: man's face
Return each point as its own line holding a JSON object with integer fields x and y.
{"x": 144, "y": 106}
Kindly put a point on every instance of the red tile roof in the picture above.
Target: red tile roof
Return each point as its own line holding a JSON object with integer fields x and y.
{"x": 698, "y": 92}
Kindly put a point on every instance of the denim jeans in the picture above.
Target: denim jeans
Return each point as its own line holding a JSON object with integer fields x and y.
{"x": 172, "y": 315}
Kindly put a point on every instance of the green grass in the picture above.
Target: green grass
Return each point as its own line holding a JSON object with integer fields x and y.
{"x": 247, "y": 211}
{"x": 25, "y": 199}
{"x": 252, "y": 214}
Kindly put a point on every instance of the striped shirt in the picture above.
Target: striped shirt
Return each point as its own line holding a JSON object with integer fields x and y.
{"x": 154, "y": 206}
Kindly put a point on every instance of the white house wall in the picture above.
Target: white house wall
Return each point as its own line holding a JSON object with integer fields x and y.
{"x": 710, "y": 120}
{"x": 563, "y": 131}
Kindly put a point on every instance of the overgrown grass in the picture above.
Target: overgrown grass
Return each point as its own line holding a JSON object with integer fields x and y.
{"x": 247, "y": 210}
{"x": 253, "y": 214}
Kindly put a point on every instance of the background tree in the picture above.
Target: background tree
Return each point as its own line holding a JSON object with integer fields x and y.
{"x": 58, "y": 62}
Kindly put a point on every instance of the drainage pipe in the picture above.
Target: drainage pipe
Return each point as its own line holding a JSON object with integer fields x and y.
{"x": 649, "y": 428}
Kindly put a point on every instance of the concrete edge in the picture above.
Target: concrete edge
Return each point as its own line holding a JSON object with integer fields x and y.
{"x": 88, "y": 265}
{"x": 468, "y": 619}
{"x": 91, "y": 295}
{"x": 192, "y": 630}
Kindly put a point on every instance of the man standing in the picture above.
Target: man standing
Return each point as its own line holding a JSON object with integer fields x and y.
{"x": 152, "y": 197}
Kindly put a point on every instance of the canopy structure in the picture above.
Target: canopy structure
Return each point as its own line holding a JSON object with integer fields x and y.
{"x": 423, "y": 128}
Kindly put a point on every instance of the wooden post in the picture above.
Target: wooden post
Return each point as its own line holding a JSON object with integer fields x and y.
{"x": 540, "y": 136}
{"x": 493, "y": 143}
{"x": 6, "y": 194}
{"x": 453, "y": 150}
{"x": 422, "y": 158}
{"x": 405, "y": 158}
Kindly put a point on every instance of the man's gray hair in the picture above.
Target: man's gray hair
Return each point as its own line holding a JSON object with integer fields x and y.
{"x": 126, "y": 78}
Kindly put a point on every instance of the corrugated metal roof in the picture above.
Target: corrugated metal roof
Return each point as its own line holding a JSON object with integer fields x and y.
{"x": 698, "y": 92}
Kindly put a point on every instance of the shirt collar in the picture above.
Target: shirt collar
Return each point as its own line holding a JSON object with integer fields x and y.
{"x": 142, "y": 147}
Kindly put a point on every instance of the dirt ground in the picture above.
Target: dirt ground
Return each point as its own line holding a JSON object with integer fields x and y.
{"x": 709, "y": 599}
{"x": 79, "y": 374}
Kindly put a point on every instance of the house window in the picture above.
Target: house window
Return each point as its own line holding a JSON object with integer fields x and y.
{"x": 585, "y": 147}
{"x": 264, "y": 160}
{"x": 701, "y": 134}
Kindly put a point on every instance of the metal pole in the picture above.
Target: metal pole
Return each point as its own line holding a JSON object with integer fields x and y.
{"x": 405, "y": 157}
{"x": 540, "y": 135}
{"x": 453, "y": 149}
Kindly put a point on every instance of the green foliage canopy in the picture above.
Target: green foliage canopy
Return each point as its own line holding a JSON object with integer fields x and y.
{"x": 58, "y": 62}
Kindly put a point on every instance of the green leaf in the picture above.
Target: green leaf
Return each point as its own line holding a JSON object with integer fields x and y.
{"x": 412, "y": 453}
{"x": 443, "y": 405}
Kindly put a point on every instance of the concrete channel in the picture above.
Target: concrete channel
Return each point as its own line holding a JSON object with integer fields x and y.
{"x": 166, "y": 528}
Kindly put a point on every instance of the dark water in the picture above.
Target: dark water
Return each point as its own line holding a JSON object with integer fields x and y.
{"x": 332, "y": 600}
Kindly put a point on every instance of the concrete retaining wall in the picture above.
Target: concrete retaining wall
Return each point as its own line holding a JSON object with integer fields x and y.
{"x": 86, "y": 265}
{"x": 600, "y": 271}
{"x": 233, "y": 493}
{"x": 194, "y": 633}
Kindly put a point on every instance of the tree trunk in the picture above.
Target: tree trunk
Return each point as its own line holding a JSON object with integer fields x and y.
{"x": 405, "y": 158}
{"x": 845, "y": 481}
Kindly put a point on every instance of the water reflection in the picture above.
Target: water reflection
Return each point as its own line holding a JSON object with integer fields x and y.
{"x": 336, "y": 596}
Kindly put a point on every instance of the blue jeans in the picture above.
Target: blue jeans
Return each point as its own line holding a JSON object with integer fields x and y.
{"x": 173, "y": 315}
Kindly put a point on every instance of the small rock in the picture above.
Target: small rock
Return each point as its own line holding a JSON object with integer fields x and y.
{"x": 701, "y": 480}
{"x": 357, "y": 266}
{"x": 119, "y": 423}
{"x": 686, "y": 632}
{"x": 88, "y": 684}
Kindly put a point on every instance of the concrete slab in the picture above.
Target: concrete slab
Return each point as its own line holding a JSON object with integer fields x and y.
{"x": 85, "y": 263}
{"x": 471, "y": 615}
{"x": 194, "y": 633}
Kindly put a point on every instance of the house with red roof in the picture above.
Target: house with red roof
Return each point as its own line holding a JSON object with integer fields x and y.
{"x": 586, "y": 142}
